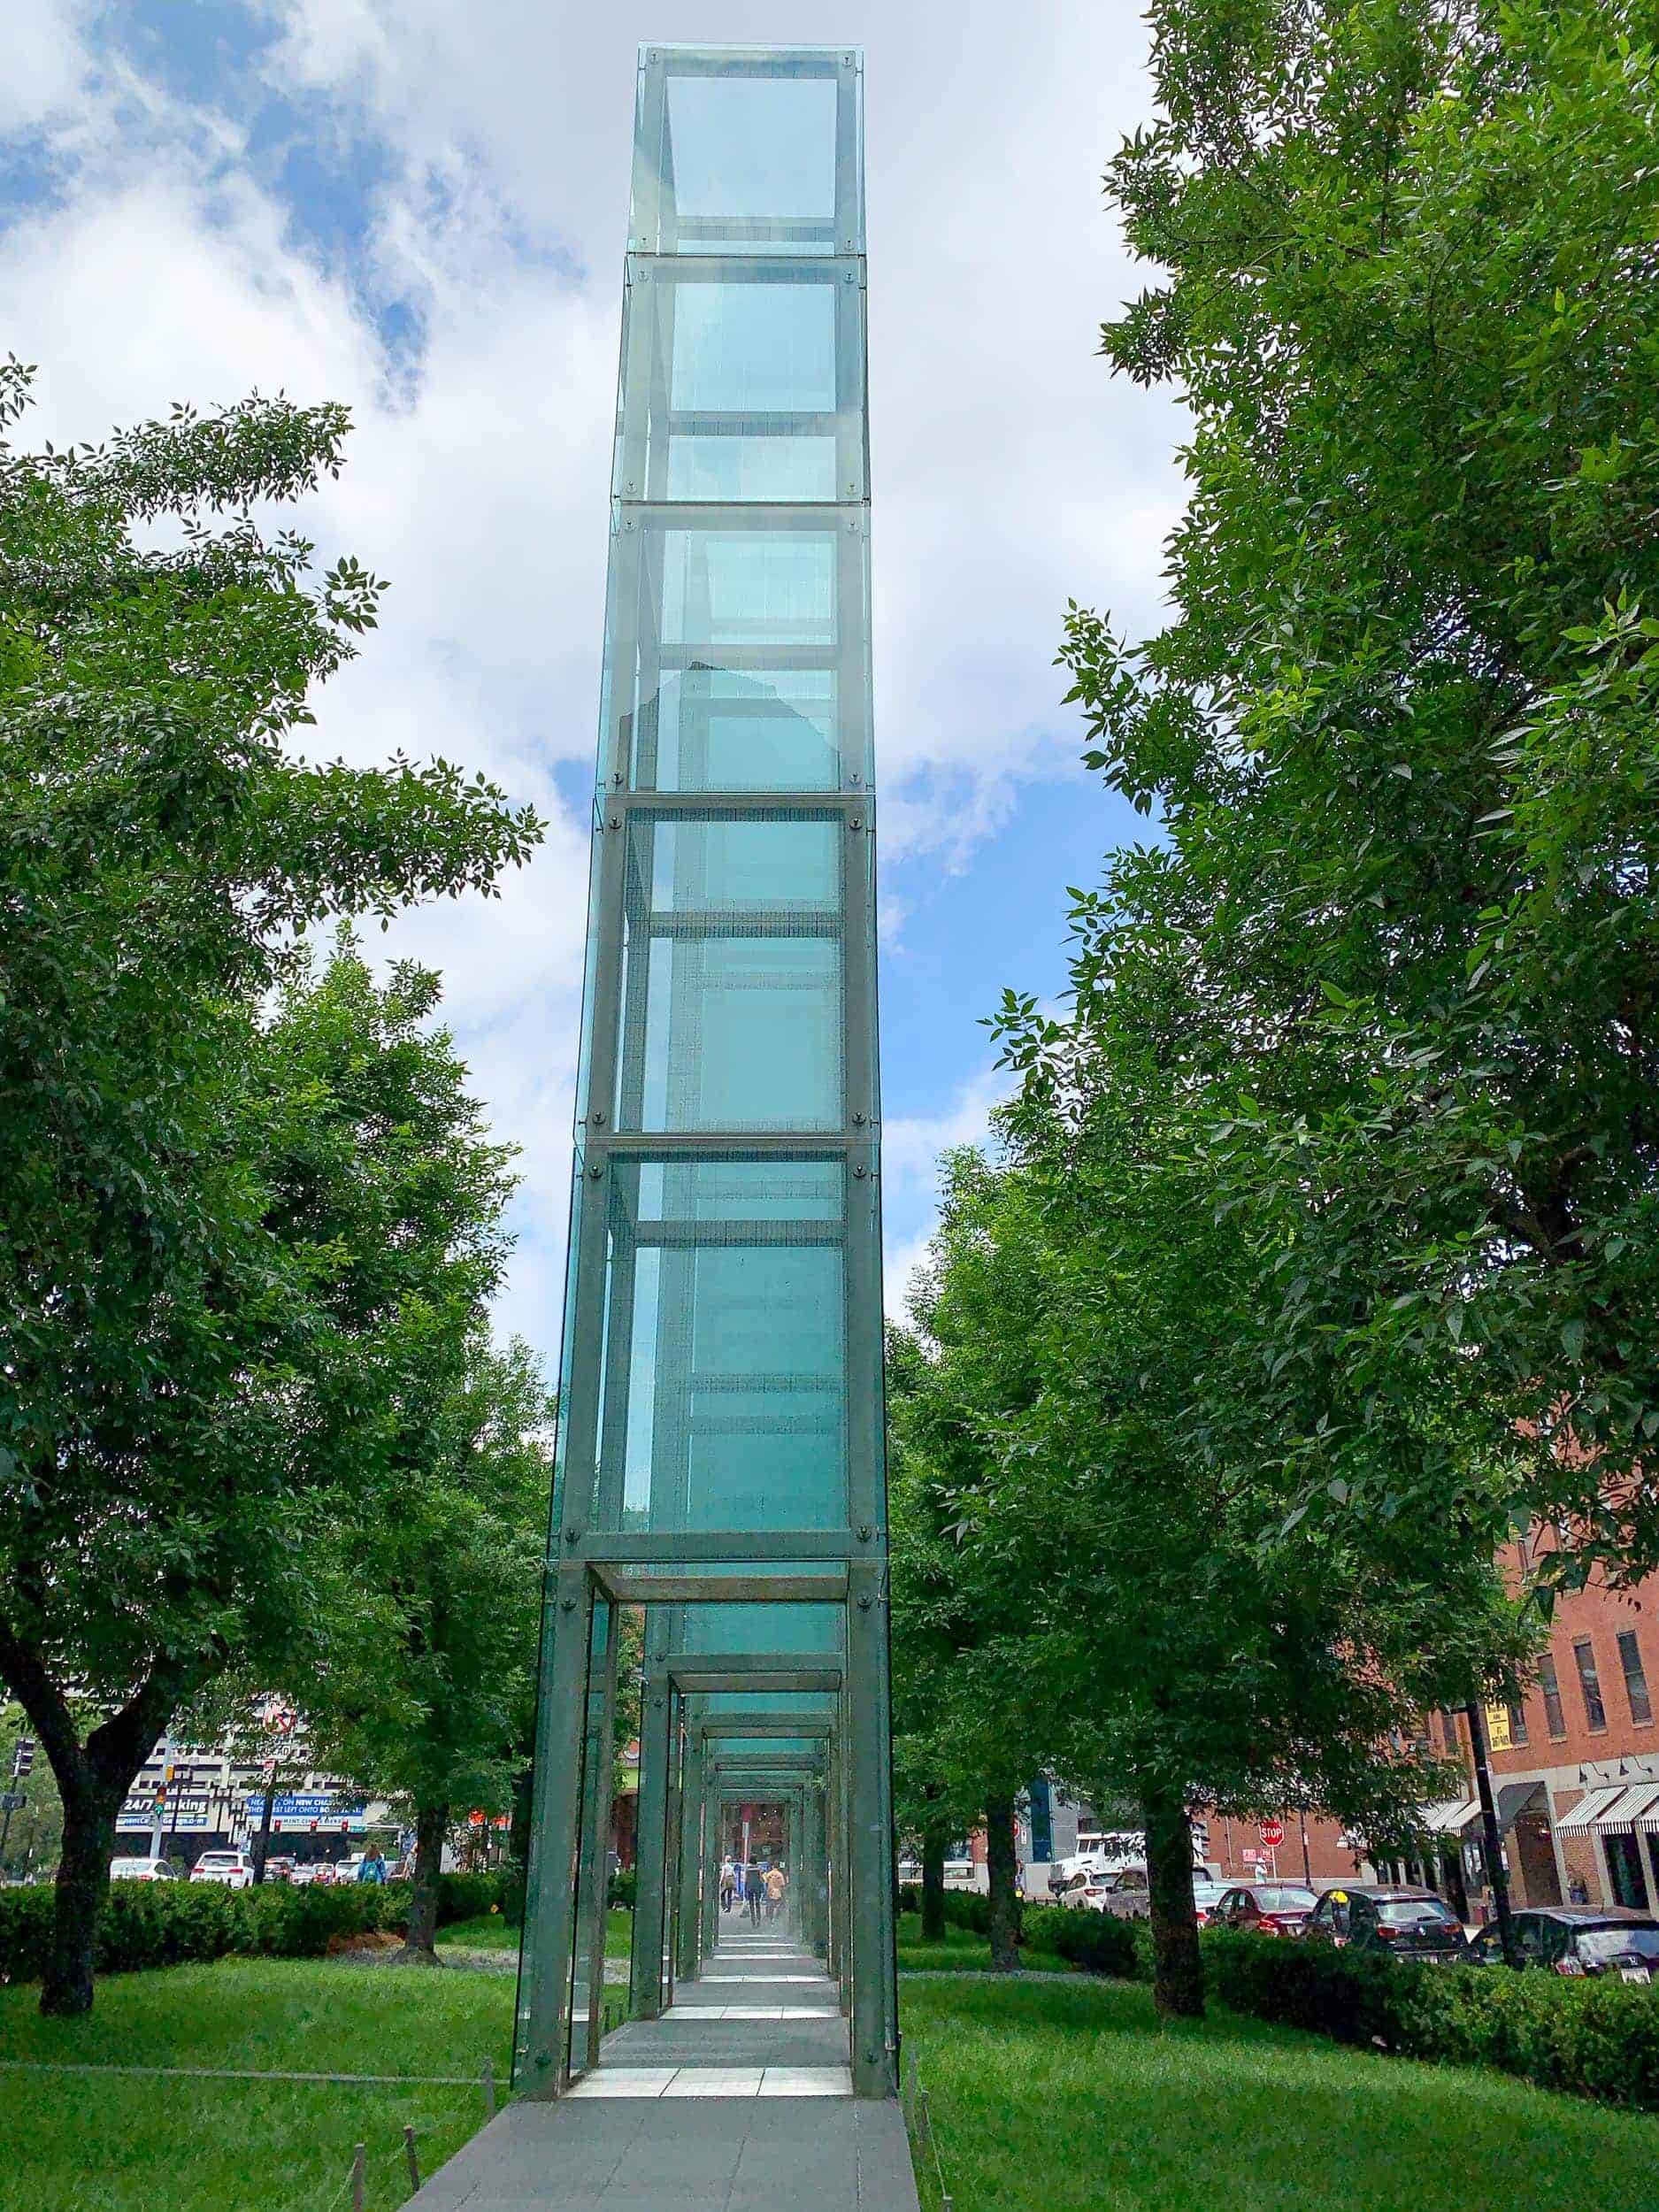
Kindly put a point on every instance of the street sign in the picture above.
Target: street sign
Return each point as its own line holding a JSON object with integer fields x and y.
{"x": 1272, "y": 1833}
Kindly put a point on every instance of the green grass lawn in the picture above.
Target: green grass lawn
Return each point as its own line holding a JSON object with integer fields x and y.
{"x": 491, "y": 1932}
{"x": 959, "y": 1951}
{"x": 132, "y": 2143}
{"x": 1049, "y": 2098}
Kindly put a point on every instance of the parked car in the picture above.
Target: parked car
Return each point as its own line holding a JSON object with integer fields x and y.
{"x": 1381, "y": 1917}
{"x": 235, "y": 1869}
{"x": 1275, "y": 1909}
{"x": 1579, "y": 1939}
{"x": 142, "y": 1871}
{"x": 1206, "y": 1897}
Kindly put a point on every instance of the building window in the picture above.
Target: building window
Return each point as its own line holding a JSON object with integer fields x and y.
{"x": 1517, "y": 1722}
{"x": 1448, "y": 1730}
{"x": 1590, "y": 1683}
{"x": 1555, "y": 1719}
{"x": 1635, "y": 1677}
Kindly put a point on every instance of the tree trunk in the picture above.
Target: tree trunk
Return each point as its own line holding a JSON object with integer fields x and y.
{"x": 418, "y": 1941}
{"x": 1178, "y": 1968}
{"x": 999, "y": 1826}
{"x": 83, "y": 1883}
{"x": 935, "y": 1842}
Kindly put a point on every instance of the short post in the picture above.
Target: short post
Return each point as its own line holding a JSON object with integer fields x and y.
{"x": 489, "y": 2088}
{"x": 409, "y": 2152}
{"x": 910, "y": 2084}
{"x": 357, "y": 2178}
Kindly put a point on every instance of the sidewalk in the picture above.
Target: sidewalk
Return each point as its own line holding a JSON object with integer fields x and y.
{"x": 738, "y": 2100}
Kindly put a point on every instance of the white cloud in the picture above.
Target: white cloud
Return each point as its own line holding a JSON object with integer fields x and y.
{"x": 45, "y": 64}
{"x": 1008, "y": 473}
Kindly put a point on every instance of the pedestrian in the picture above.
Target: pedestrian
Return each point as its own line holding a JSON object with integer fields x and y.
{"x": 754, "y": 1890}
{"x": 777, "y": 1883}
{"x": 372, "y": 1868}
{"x": 728, "y": 1884}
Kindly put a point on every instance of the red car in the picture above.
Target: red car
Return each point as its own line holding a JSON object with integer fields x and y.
{"x": 1275, "y": 1909}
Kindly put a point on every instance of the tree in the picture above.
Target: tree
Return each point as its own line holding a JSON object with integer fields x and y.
{"x": 1400, "y": 938}
{"x": 36, "y": 1829}
{"x": 1190, "y": 1639}
{"x": 189, "y": 1341}
{"x": 421, "y": 1696}
{"x": 973, "y": 1720}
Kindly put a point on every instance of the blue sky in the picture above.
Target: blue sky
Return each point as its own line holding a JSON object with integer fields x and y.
{"x": 420, "y": 208}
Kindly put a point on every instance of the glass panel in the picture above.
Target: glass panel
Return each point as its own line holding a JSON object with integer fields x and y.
{"x": 731, "y": 1014}
{"x": 751, "y": 154}
{"x": 1589, "y": 1683}
{"x": 764, "y": 1628}
{"x": 725, "y": 1384}
{"x": 737, "y": 659}
{"x": 735, "y": 387}
{"x": 741, "y": 155}
{"x": 1635, "y": 1676}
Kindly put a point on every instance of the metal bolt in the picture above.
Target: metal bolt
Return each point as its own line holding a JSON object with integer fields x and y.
{"x": 865, "y": 1533}
{"x": 598, "y": 1120}
{"x": 857, "y": 822}
{"x": 614, "y": 822}
{"x": 567, "y": 1605}
{"x": 597, "y": 1172}
{"x": 573, "y": 1535}
{"x": 858, "y": 1121}
{"x": 859, "y": 1173}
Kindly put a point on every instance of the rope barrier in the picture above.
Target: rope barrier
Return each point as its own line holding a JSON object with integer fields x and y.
{"x": 918, "y": 2114}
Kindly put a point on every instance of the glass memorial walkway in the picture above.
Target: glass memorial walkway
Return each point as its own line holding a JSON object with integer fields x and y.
{"x": 719, "y": 1465}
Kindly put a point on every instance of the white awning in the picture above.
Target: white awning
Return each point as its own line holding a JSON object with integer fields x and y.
{"x": 1590, "y": 1813}
{"x": 1646, "y": 1817}
{"x": 1449, "y": 1817}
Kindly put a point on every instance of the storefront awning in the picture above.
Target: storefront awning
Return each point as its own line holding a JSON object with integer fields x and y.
{"x": 1514, "y": 1798}
{"x": 1451, "y": 1817}
{"x": 1602, "y": 1809}
{"x": 1646, "y": 1818}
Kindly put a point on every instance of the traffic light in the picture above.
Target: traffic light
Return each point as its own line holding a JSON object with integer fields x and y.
{"x": 23, "y": 1757}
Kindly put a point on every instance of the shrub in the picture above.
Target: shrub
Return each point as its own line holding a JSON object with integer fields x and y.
{"x": 969, "y": 1909}
{"x": 1595, "y": 2038}
{"x": 468, "y": 1896}
{"x": 1095, "y": 1940}
{"x": 166, "y": 1923}
{"x": 622, "y": 1889}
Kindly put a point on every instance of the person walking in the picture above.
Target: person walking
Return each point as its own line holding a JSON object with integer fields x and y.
{"x": 754, "y": 1890}
{"x": 728, "y": 1884}
{"x": 372, "y": 1868}
{"x": 777, "y": 1883}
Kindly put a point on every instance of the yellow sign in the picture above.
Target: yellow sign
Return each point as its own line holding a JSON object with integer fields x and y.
{"x": 1498, "y": 1731}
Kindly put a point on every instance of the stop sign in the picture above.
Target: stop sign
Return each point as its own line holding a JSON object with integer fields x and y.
{"x": 1272, "y": 1833}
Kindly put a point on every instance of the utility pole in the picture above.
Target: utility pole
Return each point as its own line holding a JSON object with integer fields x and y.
{"x": 22, "y": 1760}
{"x": 282, "y": 1723}
{"x": 1495, "y": 1874}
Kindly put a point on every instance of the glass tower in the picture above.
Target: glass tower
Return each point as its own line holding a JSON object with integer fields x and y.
{"x": 719, "y": 1460}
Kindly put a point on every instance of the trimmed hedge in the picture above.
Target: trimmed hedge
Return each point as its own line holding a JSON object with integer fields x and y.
{"x": 969, "y": 1909}
{"x": 166, "y": 1923}
{"x": 1592, "y": 2036}
{"x": 1095, "y": 1940}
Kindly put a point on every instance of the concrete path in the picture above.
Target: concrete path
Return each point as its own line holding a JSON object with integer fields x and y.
{"x": 738, "y": 2100}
